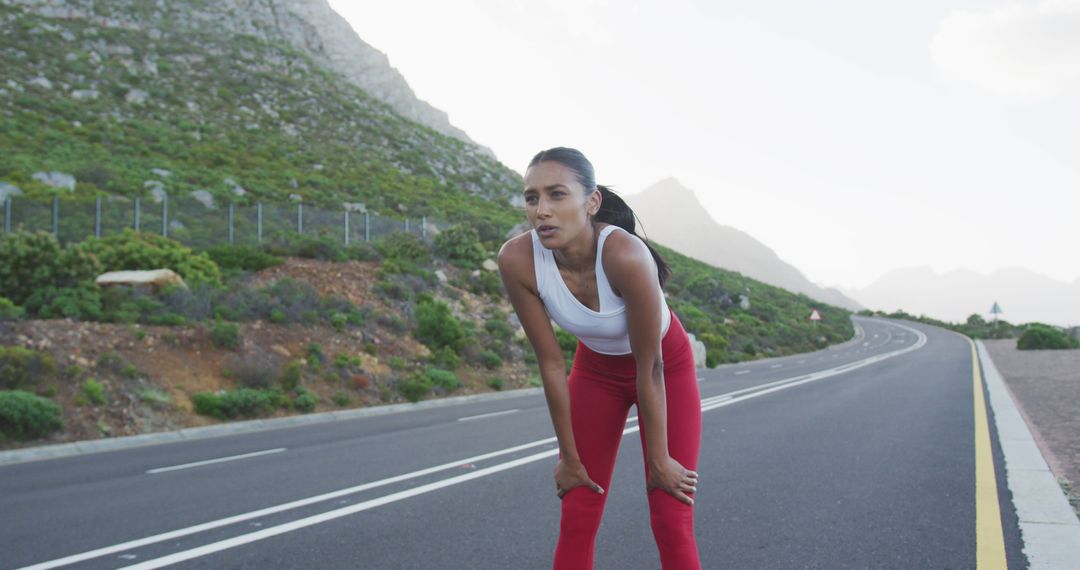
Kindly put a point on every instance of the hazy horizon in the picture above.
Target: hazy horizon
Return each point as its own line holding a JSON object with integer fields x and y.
{"x": 851, "y": 139}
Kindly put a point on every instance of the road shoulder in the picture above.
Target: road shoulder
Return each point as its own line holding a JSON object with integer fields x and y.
{"x": 1049, "y": 526}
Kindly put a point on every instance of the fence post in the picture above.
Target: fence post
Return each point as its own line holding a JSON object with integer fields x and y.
{"x": 406, "y": 225}
{"x": 230, "y": 223}
{"x": 165, "y": 215}
{"x": 258, "y": 214}
{"x": 136, "y": 213}
{"x": 346, "y": 228}
{"x": 7, "y": 215}
{"x": 97, "y": 217}
{"x": 367, "y": 226}
{"x": 56, "y": 216}
{"x": 300, "y": 218}
{"x": 423, "y": 227}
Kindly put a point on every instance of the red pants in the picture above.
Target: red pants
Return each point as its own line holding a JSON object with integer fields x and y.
{"x": 602, "y": 389}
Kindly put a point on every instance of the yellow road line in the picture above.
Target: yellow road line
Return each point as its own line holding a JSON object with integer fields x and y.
{"x": 989, "y": 537}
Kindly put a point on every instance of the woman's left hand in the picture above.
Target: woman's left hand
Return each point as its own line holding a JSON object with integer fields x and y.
{"x": 673, "y": 478}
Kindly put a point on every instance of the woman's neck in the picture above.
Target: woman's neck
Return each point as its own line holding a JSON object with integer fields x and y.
{"x": 579, "y": 255}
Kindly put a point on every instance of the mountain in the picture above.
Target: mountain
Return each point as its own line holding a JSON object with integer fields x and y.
{"x": 1023, "y": 295}
{"x": 266, "y": 99}
{"x": 671, "y": 214}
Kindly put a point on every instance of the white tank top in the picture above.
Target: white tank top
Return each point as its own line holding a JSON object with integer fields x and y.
{"x": 603, "y": 331}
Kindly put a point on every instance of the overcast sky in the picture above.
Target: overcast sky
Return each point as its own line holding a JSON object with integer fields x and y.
{"x": 852, "y": 137}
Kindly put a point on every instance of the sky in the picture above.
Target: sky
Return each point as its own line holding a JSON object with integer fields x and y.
{"x": 851, "y": 137}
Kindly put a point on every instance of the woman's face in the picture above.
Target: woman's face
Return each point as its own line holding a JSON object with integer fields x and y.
{"x": 556, "y": 205}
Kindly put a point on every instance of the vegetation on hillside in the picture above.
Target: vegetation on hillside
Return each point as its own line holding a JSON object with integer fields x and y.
{"x": 242, "y": 119}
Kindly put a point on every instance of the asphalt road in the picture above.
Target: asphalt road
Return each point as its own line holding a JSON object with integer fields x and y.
{"x": 857, "y": 456}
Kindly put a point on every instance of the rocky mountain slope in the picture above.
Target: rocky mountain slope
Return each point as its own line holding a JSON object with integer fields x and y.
{"x": 239, "y": 98}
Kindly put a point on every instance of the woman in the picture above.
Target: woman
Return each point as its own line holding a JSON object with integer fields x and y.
{"x": 583, "y": 265}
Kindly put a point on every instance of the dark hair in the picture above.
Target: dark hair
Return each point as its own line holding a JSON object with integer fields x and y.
{"x": 613, "y": 209}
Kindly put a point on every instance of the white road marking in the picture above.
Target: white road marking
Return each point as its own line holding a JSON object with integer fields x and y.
{"x": 707, "y": 405}
{"x": 477, "y": 417}
{"x": 801, "y": 361}
{"x": 737, "y": 372}
{"x": 776, "y": 366}
{"x": 211, "y": 461}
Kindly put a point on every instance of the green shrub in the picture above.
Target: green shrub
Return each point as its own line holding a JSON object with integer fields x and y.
{"x": 94, "y": 391}
{"x": 21, "y": 367}
{"x": 490, "y": 359}
{"x": 487, "y": 283}
{"x": 397, "y": 363}
{"x": 461, "y": 245}
{"x": 315, "y": 353}
{"x": 31, "y": 262}
{"x": 132, "y": 250}
{"x": 305, "y": 401}
{"x": 225, "y": 335}
{"x": 339, "y": 320}
{"x": 80, "y": 303}
{"x": 446, "y": 358}
{"x": 236, "y": 258}
{"x": 24, "y": 416}
{"x": 436, "y": 325}
{"x": 241, "y": 402}
{"x": 341, "y": 399}
{"x": 496, "y": 384}
{"x": 1044, "y": 337}
{"x": 362, "y": 251}
{"x": 499, "y": 329}
{"x": 322, "y": 248}
{"x": 10, "y": 311}
{"x": 291, "y": 375}
{"x": 401, "y": 246}
{"x": 443, "y": 378}
{"x": 415, "y": 387}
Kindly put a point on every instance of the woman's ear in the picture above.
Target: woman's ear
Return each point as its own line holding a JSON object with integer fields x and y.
{"x": 592, "y": 204}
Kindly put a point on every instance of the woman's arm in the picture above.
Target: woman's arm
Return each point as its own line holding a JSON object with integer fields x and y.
{"x": 632, "y": 272}
{"x": 516, "y": 269}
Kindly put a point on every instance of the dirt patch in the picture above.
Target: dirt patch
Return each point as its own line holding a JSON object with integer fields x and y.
{"x": 1046, "y": 385}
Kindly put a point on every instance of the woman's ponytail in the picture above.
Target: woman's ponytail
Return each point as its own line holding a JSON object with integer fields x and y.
{"x": 614, "y": 210}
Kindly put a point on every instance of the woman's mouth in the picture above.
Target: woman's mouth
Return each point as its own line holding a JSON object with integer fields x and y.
{"x": 546, "y": 231}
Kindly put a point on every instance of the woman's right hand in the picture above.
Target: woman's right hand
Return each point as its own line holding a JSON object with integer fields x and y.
{"x": 570, "y": 474}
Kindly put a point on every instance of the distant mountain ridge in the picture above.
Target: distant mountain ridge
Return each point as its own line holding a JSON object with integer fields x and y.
{"x": 1024, "y": 295}
{"x": 671, "y": 214}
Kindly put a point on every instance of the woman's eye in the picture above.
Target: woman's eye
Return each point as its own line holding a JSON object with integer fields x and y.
{"x": 557, "y": 194}
{"x": 530, "y": 199}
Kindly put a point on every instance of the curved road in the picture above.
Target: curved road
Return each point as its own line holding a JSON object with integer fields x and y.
{"x": 861, "y": 455}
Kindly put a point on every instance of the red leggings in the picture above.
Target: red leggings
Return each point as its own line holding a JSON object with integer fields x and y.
{"x": 602, "y": 389}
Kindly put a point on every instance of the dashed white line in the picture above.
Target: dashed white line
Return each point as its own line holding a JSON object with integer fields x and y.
{"x": 210, "y": 461}
{"x": 776, "y": 366}
{"x": 737, "y": 372}
{"x": 480, "y": 416}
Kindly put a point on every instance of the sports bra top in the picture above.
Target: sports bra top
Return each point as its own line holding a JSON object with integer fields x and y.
{"x": 604, "y": 331}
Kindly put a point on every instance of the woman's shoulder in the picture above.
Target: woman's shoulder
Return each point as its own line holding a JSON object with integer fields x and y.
{"x": 623, "y": 247}
{"x": 517, "y": 251}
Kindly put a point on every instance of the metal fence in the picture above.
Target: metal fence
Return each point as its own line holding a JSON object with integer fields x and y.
{"x": 201, "y": 223}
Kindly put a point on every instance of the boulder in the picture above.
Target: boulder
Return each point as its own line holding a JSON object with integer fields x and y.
{"x": 155, "y": 279}
{"x": 698, "y": 348}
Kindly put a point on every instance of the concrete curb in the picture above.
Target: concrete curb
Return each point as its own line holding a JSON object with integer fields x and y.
{"x": 232, "y": 428}
{"x": 1049, "y": 527}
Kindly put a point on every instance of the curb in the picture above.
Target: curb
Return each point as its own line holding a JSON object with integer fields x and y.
{"x": 1049, "y": 527}
{"x": 190, "y": 434}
